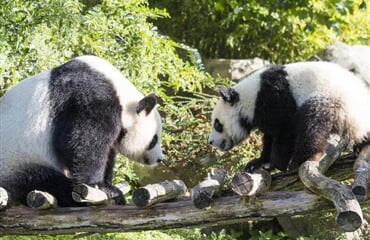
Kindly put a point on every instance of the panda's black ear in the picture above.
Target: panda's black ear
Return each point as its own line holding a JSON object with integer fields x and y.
{"x": 229, "y": 94}
{"x": 147, "y": 104}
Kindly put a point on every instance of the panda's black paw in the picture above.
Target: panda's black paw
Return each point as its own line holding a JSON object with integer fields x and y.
{"x": 253, "y": 165}
{"x": 113, "y": 193}
{"x": 258, "y": 163}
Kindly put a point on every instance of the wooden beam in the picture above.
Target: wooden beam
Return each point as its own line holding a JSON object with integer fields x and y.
{"x": 228, "y": 209}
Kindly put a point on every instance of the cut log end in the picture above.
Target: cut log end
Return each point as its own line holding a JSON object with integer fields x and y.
{"x": 40, "y": 200}
{"x": 349, "y": 221}
{"x": 251, "y": 184}
{"x": 4, "y": 198}
{"x": 141, "y": 197}
{"x": 204, "y": 193}
{"x": 203, "y": 201}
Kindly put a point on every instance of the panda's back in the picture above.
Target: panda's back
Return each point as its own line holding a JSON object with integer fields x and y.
{"x": 29, "y": 108}
{"x": 311, "y": 79}
{"x": 25, "y": 111}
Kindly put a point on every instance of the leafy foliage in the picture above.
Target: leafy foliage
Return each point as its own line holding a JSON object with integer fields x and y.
{"x": 38, "y": 35}
{"x": 276, "y": 30}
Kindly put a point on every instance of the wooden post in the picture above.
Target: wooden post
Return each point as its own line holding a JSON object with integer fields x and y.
{"x": 159, "y": 192}
{"x": 349, "y": 216}
{"x": 203, "y": 193}
{"x": 3, "y": 198}
{"x": 361, "y": 167}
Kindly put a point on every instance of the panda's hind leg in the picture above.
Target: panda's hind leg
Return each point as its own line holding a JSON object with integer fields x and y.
{"x": 361, "y": 184}
{"x": 316, "y": 121}
{"x": 37, "y": 177}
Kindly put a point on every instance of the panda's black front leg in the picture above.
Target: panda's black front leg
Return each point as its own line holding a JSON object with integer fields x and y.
{"x": 264, "y": 160}
{"x": 282, "y": 150}
{"x": 113, "y": 193}
{"x": 107, "y": 186}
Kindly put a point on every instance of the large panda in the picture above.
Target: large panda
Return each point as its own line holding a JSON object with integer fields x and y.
{"x": 296, "y": 106}
{"x": 64, "y": 126}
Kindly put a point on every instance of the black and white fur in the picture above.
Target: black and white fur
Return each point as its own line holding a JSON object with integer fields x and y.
{"x": 296, "y": 106}
{"x": 64, "y": 126}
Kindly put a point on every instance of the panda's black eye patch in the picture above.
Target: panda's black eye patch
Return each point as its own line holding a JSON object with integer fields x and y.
{"x": 218, "y": 126}
{"x": 153, "y": 142}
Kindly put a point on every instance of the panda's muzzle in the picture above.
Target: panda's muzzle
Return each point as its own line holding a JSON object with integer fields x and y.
{"x": 223, "y": 146}
{"x": 147, "y": 161}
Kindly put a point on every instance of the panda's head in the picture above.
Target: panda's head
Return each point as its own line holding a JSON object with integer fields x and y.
{"x": 230, "y": 123}
{"x": 140, "y": 140}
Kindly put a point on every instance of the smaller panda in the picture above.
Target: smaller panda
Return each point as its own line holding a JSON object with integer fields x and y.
{"x": 296, "y": 107}
{"x": 63, "y": 127}
{"x": 355, "y": 58}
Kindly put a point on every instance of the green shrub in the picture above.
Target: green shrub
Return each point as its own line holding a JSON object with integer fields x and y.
{"x": 38, "y": 35}
{"x": 276, "y": 30}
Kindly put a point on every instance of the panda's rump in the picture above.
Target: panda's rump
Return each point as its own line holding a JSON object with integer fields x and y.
{"x": 328, "y": 80}
{"x": 25, "y": 124}
{"x": 32, "y": 176}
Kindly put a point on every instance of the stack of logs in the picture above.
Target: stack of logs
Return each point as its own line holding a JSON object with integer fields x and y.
{"x": 247, "y": 185}
{"x": 202, "y": 194}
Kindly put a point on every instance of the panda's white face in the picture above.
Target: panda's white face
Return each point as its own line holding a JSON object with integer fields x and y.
{"x": 141, "y": 141}
{"x": 229, "y": 127}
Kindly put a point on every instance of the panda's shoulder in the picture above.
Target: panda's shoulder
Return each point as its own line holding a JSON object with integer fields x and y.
{"x": 86, "y": 66}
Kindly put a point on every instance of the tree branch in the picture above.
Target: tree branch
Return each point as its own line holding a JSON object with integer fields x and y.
{"x": 349, "y": 213}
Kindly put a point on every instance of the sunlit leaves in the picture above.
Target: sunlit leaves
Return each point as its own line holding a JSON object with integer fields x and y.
{"x": 277, "y": 30}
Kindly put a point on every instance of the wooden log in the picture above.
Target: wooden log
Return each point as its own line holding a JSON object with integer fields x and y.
{"x": 95, "y": 196}
{"x": 123, "y": 186}
{"x": 85, "y": 193}
{"x": 4, "y": 198}
{"x": 41, "y": 200}
{"x": 203, "y": 194}
{"x": 159, "y": 192}
{"x": 361, "y": 183}
{"x": 349, "y": 213}
{"x": 251, "y": 184}
{"x": 22, "y": 220}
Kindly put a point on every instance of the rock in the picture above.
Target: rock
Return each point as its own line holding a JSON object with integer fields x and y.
{"x": 234, "y": 69}
{"x": 355, "y": 58}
